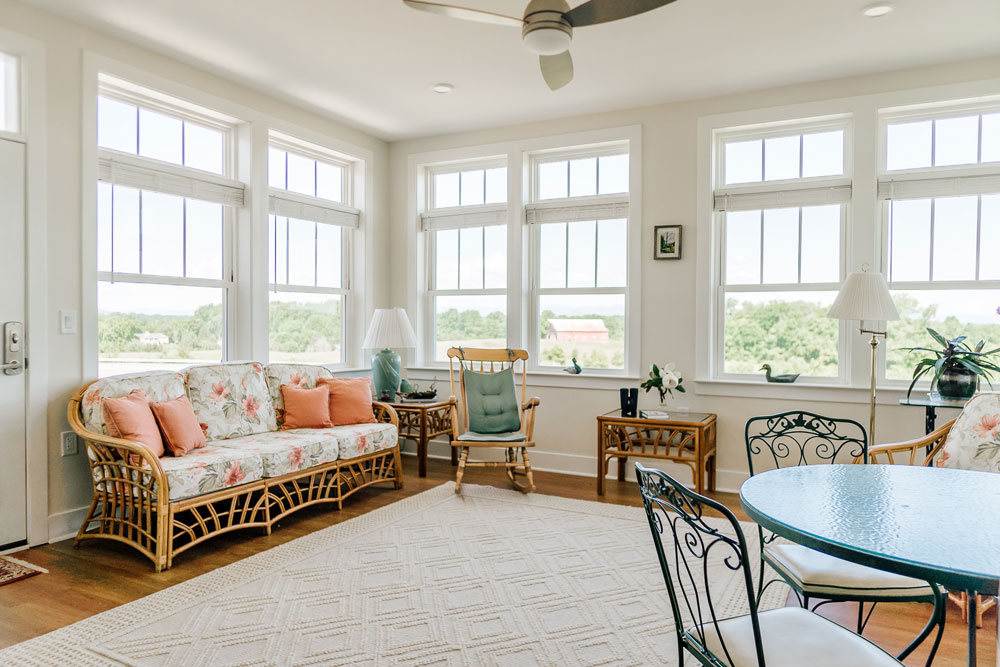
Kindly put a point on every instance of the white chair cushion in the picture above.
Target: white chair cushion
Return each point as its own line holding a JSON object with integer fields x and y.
{"x": 472, "y": 436}
{"x": 793, "y": 636}
{"x": 819, "y": 574}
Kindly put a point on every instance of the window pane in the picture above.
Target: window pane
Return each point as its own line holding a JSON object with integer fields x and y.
{"x": 496, "y": 185}
{"x": 552, "y": 180}
{"x": 473, "y": 188}
{"x": 781, "y": 245}
{"x": 125, "y": 218}
{"x": 590, "y": 327}
{"x": 301, "y": 252}
{"x": 301, "y": 175}
{"x": 821, "y": 244}
{"x": 470, "y": 256}
{"x": 160, "y": 136}
{"x": 612, "y": 254}
{"x": 955, "y": 238}
{"x": 956, "y": 141}
{"x": 162, "y": 234}
{"x": 116, "y": 125}
{"x": 823, "y": 154}
{"x": 329, "y": 255}
{"x": 991, "y": 137}
{"x": 908, "y": 145}
{"x": 612, "y": 175}
{"x": 781, "y": 158}
{"x": 446, "y": 249}
{"x": 581, "y": 255}
{"x": 330, "y": 182}
{"x": 203, "y": 148}
{"x": 743, "y": 161}
{"x": 104, "y": 226}
{"x": 951, "y": 313}
{"x": 203, "y": 239}
{"x": 445, "y": 190}
{"x": 278, "y": 249}
{"x": 276, "y": 168}
{"x": 469, "y": 321}
{"x": 495, "y": 242}
{"x": 583, "y": 177}
{"x": 144, "y": 327}
{"x": 910, "y": 240}
{"x": 989, "y": 266}
{"x": 552, "y": 261}
{"x": 743, "y": 247}
{"x": 304, "y": 328}
{"x": 788, "y": 330}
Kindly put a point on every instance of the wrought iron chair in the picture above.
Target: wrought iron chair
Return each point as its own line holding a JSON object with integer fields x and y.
{"x": 797, "y": 438}
{"x": 497, "y": 419}
{"x": 696, "y": 545}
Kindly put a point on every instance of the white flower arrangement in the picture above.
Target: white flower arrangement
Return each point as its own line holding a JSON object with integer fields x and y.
{"x": 665, "y": 379}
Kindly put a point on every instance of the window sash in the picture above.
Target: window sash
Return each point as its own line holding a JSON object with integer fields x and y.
{"x": 346, "y": 239}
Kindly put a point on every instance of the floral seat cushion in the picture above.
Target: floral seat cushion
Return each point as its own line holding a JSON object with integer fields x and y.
{"x": 210, "y": 469}
{"x": 303, "y": 376}
{"x": 287, "y": 451}
{"x": 974, "y": 439}
{"x": 231, "y": 400}
{"x": 358, "y": 439}
{"x": 156, "y": 385}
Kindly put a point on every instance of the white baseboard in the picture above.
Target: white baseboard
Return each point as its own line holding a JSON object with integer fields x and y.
{"x": 584, "y": 466}
{"x": 64, "y": 525}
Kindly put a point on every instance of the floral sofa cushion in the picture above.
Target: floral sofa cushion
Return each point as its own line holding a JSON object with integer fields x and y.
{"x": 287, "y": 451}
{"x": 231, "y": 400}
{"x": 156, "y": 385}
{"x": 358, "y": 439}
{"x": 209, "y": 469}
{"x": 974, "y": 439}
{"x": 299, "y": 375}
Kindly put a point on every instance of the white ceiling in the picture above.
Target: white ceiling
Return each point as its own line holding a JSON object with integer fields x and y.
{"x": 371, "y": 63}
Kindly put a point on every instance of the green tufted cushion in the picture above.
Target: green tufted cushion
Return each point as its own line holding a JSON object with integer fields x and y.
{"x": 492, "y": 402}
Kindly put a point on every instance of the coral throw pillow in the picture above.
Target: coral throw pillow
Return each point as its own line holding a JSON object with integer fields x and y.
{"x": 179, "y": 424}
{"x": 350, "y": 400}
{"x": 130, "y": 418}
{"x": 305, "y": 408}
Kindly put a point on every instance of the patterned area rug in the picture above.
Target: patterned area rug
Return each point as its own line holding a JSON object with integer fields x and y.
{"x": 12, "y": 569}
{"x": 490, "y": 577}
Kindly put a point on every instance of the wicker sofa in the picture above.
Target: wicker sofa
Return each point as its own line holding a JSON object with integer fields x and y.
{"x": 251, "y": 473}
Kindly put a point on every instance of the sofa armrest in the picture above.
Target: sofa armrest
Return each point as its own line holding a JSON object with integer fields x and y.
{"x": 385, "y": 413}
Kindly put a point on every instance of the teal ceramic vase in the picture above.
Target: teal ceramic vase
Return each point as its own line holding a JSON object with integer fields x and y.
{"x": 386, "y": 366}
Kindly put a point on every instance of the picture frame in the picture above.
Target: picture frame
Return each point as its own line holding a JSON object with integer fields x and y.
{"x": 667, "y": 241}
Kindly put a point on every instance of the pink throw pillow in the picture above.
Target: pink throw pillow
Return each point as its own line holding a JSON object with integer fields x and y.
{"x": 179, "y": 424}
{"x": 306, "y": 408}
{"x": 131, "y": 418}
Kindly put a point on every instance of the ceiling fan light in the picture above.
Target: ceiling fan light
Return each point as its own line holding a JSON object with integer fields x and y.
{"x": 547, "y": 41}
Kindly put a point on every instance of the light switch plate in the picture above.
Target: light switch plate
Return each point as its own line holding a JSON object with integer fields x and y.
{"x": 69, "y": 443}
{"x": 67, "y": 321}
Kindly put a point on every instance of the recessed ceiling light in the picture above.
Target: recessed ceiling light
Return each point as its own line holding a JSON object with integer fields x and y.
{"x": 442, "y": 88}
{"x": 877, "y": 10}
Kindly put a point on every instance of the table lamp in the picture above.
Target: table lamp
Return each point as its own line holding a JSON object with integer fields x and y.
{"x": 865, "y": 296}
{"x": 389, "y": 328}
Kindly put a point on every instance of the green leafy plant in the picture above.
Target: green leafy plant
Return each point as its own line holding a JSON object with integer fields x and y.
{"x": 953, "y": 354}
{"x": 665, "y": 380}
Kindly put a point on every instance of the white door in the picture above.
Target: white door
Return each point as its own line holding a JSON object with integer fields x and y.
{"x": 13, "y": 489}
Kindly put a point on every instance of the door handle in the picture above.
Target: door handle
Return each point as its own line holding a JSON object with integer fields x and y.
{"x": 13, "y": 348}
{"x": 12, "y": 366}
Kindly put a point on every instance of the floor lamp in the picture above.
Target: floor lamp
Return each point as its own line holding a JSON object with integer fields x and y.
{"x": 864, "y": 296}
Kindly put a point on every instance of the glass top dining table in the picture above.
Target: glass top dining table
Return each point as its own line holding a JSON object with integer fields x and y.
{"x": 936, "y": 524}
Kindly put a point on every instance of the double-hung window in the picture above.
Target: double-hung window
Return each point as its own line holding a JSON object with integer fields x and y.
{"x": 309, "y": 232}
{"x": 165, "y": 200}
{"x": 578, "y": 221}
{"x": 781, "y": 196}
{"x": 465, "y": 227}
{"x": 939, "y": 184}
{"x": 10, "y": 97}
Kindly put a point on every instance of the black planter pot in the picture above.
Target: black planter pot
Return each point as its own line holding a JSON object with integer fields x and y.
{"x": 957, "y": 383}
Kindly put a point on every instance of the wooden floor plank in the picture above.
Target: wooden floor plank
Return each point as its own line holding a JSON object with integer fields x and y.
{"x": 102, "y": 575}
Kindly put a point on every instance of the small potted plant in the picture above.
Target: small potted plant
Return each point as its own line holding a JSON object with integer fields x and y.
{"x": 955, "y": 367}
{"x": 665, "y": 380}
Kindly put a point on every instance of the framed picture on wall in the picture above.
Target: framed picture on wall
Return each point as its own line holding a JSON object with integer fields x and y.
{"x": 667, "y": 242}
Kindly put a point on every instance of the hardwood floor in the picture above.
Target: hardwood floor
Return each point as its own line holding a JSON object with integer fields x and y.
{"x": 99, "y": 576}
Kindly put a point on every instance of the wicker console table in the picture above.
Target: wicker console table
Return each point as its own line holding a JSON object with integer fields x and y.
{"x": 422, "y": 422}
{"x": 684, "y": 438}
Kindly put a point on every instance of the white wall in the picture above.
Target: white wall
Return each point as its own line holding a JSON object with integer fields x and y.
{"x": 65, "y": 43}
{"x": 566, "y": 429}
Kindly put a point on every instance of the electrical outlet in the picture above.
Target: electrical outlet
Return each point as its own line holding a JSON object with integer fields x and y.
{"x": 69, "y": 443}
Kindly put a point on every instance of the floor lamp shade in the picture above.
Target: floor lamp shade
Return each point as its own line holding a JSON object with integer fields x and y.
{"x": 389, "y": 328}
{"x": 864, "y": 296}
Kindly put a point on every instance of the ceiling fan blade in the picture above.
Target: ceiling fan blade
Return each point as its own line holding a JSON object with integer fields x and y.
{"x": 464, "y": 13}
{"x": 602, "y": 11}
{"x": 557, "y": 70}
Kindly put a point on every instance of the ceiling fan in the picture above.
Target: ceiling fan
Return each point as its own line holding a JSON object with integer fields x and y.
{"x": 547, "y": 26}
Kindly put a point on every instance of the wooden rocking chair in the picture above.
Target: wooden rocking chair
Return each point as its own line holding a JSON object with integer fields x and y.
{"x": 491, "y": 413}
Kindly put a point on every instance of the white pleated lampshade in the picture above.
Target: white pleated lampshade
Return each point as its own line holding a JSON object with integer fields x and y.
{"x": 390, "y": 328}
{"x": 864, "y": 296}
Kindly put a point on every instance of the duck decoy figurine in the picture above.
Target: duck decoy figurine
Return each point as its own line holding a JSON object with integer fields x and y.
{"x": 574, "y": 369}
{"x": 781, "y": 377}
